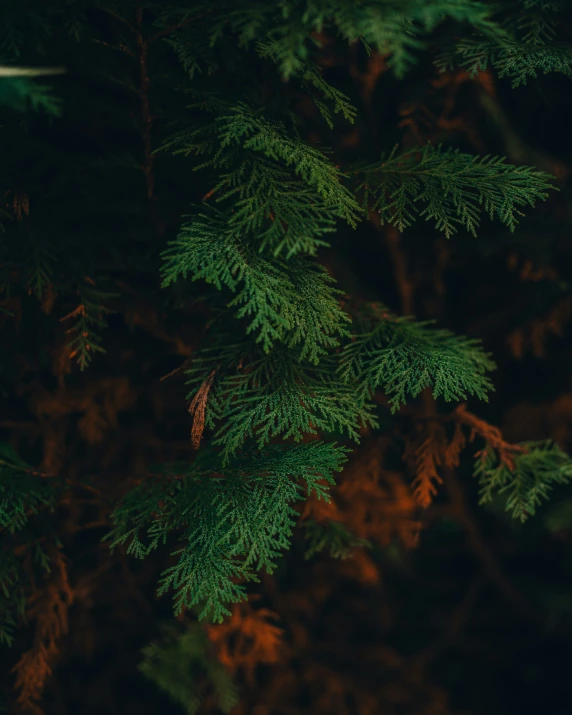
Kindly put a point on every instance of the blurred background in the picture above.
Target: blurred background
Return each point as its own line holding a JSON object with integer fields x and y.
{"x": 454, "y": 609}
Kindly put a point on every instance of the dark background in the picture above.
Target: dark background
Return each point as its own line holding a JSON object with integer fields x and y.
{"x": 439, "y": 630}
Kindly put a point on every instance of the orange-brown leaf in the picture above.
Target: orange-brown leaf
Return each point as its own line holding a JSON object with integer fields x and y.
{"x": 247, "y": 639}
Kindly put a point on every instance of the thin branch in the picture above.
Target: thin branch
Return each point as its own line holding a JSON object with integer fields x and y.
{"x": 170, "y": 374}
{"x": 147, "y": 117}
{"x": 99, "y": 524}
{"x": 132, "y": 584}
{"x": 121, "y": 19}
{"x": 404, "y": 283}
{"x": 184, "y": 23}
{"x": 121, "y": 48}
{"x": 455, "y": 623}
{"x": 480, "y": 548}
{"x": 169, "y": 30}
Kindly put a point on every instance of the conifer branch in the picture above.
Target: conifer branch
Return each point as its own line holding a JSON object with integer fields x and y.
{"x": 232, "y": 525}
{"x": 428, "y": 457}
{"x": 333, "y": 536}
{"x": 534, "y": 472}
{"x": 491, "y": 567}
{"x": 23, "y": 491}
{"x": 402, "y": 356}
{"x": 165, "y": 32}
{"x": 530, "y": 46}
{"x": 90, "y": 317}
{"x": 147, "y": 119}
{"x": 291, "y": 303}
{"x": 168, "y": 661}
{"x": 275, "y": 395}
{"x": 279, "y": 367}
{"x": 508, "y": 453}
{"x": 451, "y": 186}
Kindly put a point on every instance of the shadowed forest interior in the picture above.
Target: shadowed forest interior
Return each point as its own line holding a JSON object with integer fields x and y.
{"x": 404, "y": 595}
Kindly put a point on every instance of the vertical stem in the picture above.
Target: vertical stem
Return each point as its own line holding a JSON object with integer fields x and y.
{"x": 147, "y": 117}
{"x": 404, "y": 283}
{"x": 453, "y": 629}
{"x": 480, "y": 548}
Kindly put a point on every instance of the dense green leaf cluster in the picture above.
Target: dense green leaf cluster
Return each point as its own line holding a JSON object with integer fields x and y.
{"x": 332, "y": 536}
{"x": 452, "y": 188}
{"x": 235, "y": 520}
{"x": 286, "y": 360}
{"x": 395, "y": 27}
{"x": 404, "y": 357}
{"x": 23, "y": 493}
{"x": 535, "y": 473}
{"x": 532, "y": 44}
{"x": 177, "y": 660}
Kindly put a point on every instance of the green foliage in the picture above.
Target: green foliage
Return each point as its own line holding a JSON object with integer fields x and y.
{"x": 12, "y": 594}
{"x": 312, "y": 79}
{"x": 535, "y": 473}
{"x": 276, "y": 395}
{"x": 394, "y": 27}
{"x": 22, "y": 94}
{"x": 248, "y": 128}
{"x": 274, "y": 368}
{"x": 286, "y": 215}
{"x": 89, "y": 319}
{"x": 295, "y": 196}
{"x": 40, "y": 267}
{"x": 332, "y": 536}
{"x": 33, "y": 255}
{"x": 176, "y": 662}
{"x": 404, "y": 357}
{"x": 532, "y": 45}
{"x": 559, "y": 517}
{"x": 235, "y": 519}
{"x": 292, "y": 303}
{"x": 23, "y": 492}
{"x": 453, "y": 188}
{"x": 518, "y": 61}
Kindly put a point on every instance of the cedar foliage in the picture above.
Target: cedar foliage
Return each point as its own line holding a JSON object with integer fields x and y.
{"x": 102, "y": 221}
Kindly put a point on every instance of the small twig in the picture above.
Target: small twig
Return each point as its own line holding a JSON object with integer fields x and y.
{"x": 491, "y": 567}
{"x": 121, "y": 19}
{"x": 455, "y": 624}
{"x": 462, "y": 514}
{"x": 169, "y": 30}
{"x": 184, "y": 23}
{"x": 101, "y": 524}
{"x": 197, "y": 409}
{"x": 89, "y": 488}
{"x": 173, "y": 372}
{"x": 404, "y": 284}
{"x": 120, "y": 48}
{"x": 133, "y": 585}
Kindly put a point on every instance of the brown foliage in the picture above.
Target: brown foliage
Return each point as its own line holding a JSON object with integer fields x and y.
{"x": 492, "y": 435}
{"x": 533, "y": 337}
{"x": 378, "y": 504}
{"x": 197, "y": 410}
{"x": 247, "y": 639}
{"x": 48, "y": 606}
